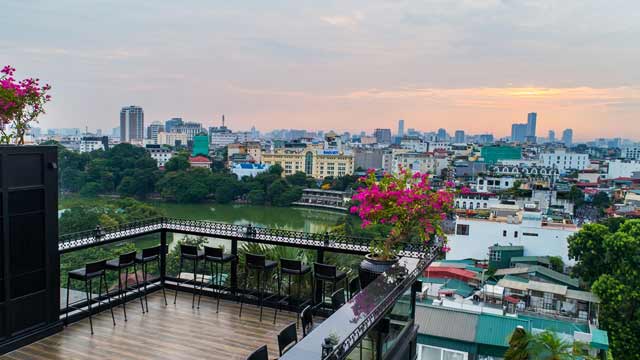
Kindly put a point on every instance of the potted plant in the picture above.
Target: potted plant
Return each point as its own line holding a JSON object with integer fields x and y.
{"x": 21, "y": 102}
{"x": 409, "y": 205}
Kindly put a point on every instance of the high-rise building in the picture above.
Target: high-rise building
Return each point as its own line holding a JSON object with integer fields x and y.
{"x": 171, "y": 123}
{"x": 531, "y": 124}
{"x": 190, "y": 128}
{"x": 131, "y": 123}
{"x": 459, "y": 137}
{"x": 442, "y": 135}
{"x": 400, "y": 128}
{"x": 567, "y": 137}
{"x": 153, "y": 130}
{"x": 552, "y": 136}
{"x": 383, "y": 136}
{"x": 518, "y": 132}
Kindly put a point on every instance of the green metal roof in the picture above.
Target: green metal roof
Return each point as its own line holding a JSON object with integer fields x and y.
{"x": 527, "y": 259}
{"x": 496, "y": 330}
{"x": 459, "y": 287}
{"x": 464, "y": 261}
{"x": 599, "y": 339}
{"x": 516, "y": 278}
{"x": 557, "y": 326}
{"x": 565, "y": 279}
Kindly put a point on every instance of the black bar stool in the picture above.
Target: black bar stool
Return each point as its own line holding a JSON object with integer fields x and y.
{"x": 306, "y": 317}
{"x": 261, "y": 353}
{"x": 337, "y": 299}
{"x": 216, "y": 258}
{"x": 260, "y": 266}
{"x": 189, "y": 253}
{"x": 354, "y": 287}
{"x": 124, "y": 262}
{"x": 326, "y": 273}
{"x": 294, "y": 268}
{"x": 287, "y": 338}
{"x": 148, "y": 256}
{"x": 89, "y": 272}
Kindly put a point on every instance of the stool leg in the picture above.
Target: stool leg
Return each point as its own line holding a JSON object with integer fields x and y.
{"x": 66, "y": 316}
{"x": 164, "y": 293}
{"x": 242, "y": 293}
{"x": 218, "y": 282}
{"x": 135, "y": 271}
{"x": 178, "y": 282}
{"x": 106, "y": 292}
{"x": 195, "y": 277}
{"x": 144, "y": 278}
{"x": 126, "y": 288}
{"x": 87, "y": 291}
{"x": 201, "y": 285}
{"x": 260, "y": 293}
{"x": 120, "y": 293}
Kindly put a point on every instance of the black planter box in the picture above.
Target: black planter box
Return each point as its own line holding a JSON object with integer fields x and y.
{"x": 29, "y": 262}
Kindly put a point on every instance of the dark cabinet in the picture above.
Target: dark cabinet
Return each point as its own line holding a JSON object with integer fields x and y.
{"x": 29, "y": 263}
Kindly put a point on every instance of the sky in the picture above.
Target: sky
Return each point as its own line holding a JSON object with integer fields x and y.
{"x": 477, "y": 65}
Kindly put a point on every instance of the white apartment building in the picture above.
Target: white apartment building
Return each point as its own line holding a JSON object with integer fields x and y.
{"x": 438, "y": 145}
{"x": 620, "y": 168}
{"x": 159, "y": 154}
{"x": 172, "y": 138}
{"x": 91, "y": 143}
{"x": 222, "y": 139}
{"x": 476, "y": 201}
{"x": 631, "y": 152}
{"x": 419, "y": 162}
{"x": 414, "y": 144}
{"x": 487, "y": 184}
{"x": 510, "y": 225}
{"x": 564, "y": 161}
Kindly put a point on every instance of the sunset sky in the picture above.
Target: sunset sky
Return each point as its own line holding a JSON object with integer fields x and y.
{"x": 477, "y": 65}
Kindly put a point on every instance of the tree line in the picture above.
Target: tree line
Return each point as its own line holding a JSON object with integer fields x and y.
{"x": 129, "y": 171}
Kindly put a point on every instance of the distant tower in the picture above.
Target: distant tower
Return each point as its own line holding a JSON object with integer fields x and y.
{"x": 442, "y": 134}
{"x": 222, "y": 120}
{"x": 131, "y": 123}
{"x": 567, "y": 137}
{"x": 400, "y": 128}
{"x": 459, "y": 137}
{"x": 531, "y": 124}
{"x": 552, "y": 136}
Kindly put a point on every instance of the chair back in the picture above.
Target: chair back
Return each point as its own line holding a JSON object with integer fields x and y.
{"x": 214, "y": 252}
{"x": 255, "y": 260}
{"x": 306, "y": 317}
{"x": 188, "y": 250}
{"x": 291, "y": 264}
{"x": 354, "y": 287}
{"x": 95, "y": 267}
{"x": 151, "y": 252}
{"x": 337, "y": 299}
{"x": 261, "y": 354}
{"x": 287, "y": 337}
{"x": 324, "y": 270}
{"x": 127, "y": 259}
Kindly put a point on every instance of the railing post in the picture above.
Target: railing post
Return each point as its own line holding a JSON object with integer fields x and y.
{"x": 163, "y": 255}
{"x": 318, "y": 295}
{"x": 234, "y": 267}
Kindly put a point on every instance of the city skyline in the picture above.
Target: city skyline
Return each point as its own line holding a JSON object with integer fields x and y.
{"x": 321, "y": 66}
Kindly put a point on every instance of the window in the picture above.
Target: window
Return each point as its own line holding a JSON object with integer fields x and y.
{"x": 529, "y": 234}
{"x": 504, "y": 233}
{"x": 515, "y": 234}
{"x": 426, "y": 352}
{"x": 462, "y": 229}
{"x": 495, "y": 255}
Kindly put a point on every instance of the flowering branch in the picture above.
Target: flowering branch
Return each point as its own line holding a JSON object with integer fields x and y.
{"x": 21, "y": 102}
{"x": 408, "y": 203}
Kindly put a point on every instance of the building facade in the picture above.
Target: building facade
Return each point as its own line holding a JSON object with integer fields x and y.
{"x": 131, "y": 124}
{"x": 314, "y": 162}
{"x": 565, "y": 161}
{"x": 92, "y": 143}
{"x": 172, "y": 139}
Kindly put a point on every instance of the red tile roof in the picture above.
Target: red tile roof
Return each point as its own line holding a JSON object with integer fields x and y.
{"x": 199, "y": 159}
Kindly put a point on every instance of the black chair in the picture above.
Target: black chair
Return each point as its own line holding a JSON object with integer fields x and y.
{"x": 287, "y": 338}
{"x": 326, "y": 273}
{"x": 216, "y": 258}
{"x": 260, "y": 266}
{"x": 125, "y": 262}
{"x": 87, "y": 274}
{"x": 144, "y": 258}
{"x": 189, "y": 253}
{"x": 261, "y": 354}
{"x": 295, "y": 268}
{"x": 337, "y": 299}
{"x": 306, "y": 317}
{"x": 354, "y": 287}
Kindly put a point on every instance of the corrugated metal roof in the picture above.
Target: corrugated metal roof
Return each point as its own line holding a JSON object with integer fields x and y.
{"x": 599, "y": 339}
{"x": 547, "y": 287}
{"x": 446, "y": 323}
{"x": 496, "y": 330}
{"x": 554, "y": 275}
{"x": 583, "y": 296}
{"x": 511, "y": 284}
{"x": 506, "y": 247}
{"x": 540, "y": 259}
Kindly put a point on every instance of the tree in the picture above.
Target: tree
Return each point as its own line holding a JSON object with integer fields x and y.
{"x": 298, "y": 179}
{"x": 256, "y": 197}
{"x": 90, "y": 189}
{"x": 556, "y": 263}
{"x": 518, "y": 345}
{"x": 601, "y": 200}
{"x": 609, "y": 262}
{"x": 548, "y": 345}
{"x": 177, "y": 162}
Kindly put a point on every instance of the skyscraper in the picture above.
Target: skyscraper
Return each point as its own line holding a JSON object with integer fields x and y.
{"x": 400, "y": 128}
{"x": 131, "y": 123}
{"x": 518, "y": 132}
{"x": 459, "y": 137}
{"x": 171, "y": 123}
{"x": 442, "y": 134}
{"x": 383, "y": 136}
{"x": 531, "y": 124}
{"x": 567, "y": 137}
{"x": 552, "y": 136}
{"x": 153, "y": 130}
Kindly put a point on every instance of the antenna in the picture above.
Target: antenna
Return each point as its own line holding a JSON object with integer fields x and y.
{"x": 222, "y": 120}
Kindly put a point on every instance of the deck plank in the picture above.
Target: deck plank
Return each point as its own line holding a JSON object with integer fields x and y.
{"x": 171, "y": 332}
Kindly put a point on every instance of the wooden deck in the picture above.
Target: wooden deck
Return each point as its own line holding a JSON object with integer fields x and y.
{"x": 171, "y": 332}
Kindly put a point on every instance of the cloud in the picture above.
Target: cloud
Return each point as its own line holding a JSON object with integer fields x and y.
{"x": 344, "y": 20}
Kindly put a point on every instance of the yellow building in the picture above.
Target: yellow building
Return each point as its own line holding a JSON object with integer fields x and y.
{"x": 312, "y": 161}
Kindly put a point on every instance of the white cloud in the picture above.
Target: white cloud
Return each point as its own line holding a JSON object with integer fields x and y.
{"x": 344, "y": 21}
